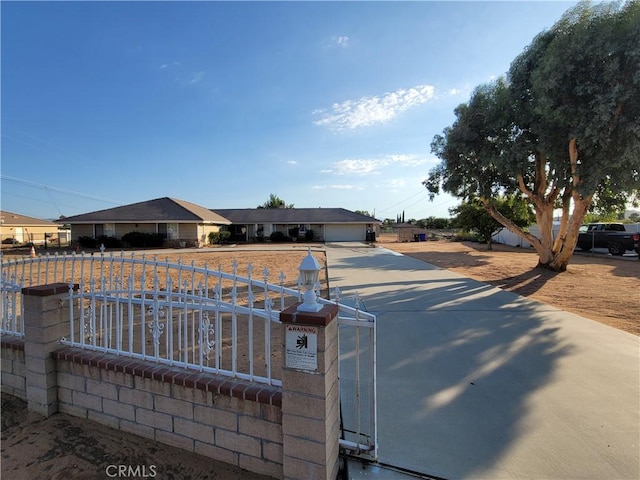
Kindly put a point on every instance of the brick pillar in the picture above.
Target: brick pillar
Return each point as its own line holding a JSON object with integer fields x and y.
{"x": 310, "y": 394}
{"x": 46, "y": 321}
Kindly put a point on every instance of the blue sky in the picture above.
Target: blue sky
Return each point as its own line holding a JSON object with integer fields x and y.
{"x": 326, "y": 104}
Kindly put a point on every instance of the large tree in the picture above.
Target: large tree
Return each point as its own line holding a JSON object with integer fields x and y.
{"x": 562, "y": 129}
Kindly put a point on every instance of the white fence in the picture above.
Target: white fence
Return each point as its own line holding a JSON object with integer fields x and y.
{"x": 196, "y": 318}
{"x": 11, "y": 307}
{"x": 201, "y": 328}
{"x": 509, "y": 238}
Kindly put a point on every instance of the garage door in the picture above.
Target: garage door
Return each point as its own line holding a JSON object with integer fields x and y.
{"x": 344, "y": 233}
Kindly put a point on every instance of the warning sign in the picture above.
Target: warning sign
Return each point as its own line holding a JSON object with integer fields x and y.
{"x": 301, "y": 344}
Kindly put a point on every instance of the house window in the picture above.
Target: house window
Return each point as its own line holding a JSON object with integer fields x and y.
{"x": 170, "y": 230}
{"x": 110, "y": 229}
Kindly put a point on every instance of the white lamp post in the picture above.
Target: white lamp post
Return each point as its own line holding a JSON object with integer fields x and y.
{"x": 309, "y": 272}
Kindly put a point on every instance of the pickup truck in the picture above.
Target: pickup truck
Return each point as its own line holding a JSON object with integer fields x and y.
{"x": 612, "y": 236}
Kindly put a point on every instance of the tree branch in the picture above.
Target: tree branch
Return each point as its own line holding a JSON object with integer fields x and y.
{"x": 509, "y": 225}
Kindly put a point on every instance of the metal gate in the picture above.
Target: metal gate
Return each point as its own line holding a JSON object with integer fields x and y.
{"x": 122, "y": 312}
{"x": 357, "y": 373}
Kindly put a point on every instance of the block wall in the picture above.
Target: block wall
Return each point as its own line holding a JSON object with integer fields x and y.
{"x": 228, "y": 420}
{"x": 13, "y": 367}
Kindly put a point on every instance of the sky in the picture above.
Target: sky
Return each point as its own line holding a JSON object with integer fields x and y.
{"x": 325, "y": 104}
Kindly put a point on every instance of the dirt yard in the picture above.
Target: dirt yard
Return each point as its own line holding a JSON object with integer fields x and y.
{"x": 601, "y": 288}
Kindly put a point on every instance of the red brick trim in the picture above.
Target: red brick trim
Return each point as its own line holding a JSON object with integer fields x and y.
{"x": 316, "y": 319}
{"x": 12, "y": 343}
{"x": 266, "y": 394}
{"x": 48, "y": 290}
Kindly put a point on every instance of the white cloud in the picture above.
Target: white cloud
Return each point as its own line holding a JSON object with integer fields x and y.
{"x": 164, "y": 66}
{"x": 352, "y": 114}
{"x": 342, "y": 41}
{"x": 195, "y": 78}
{"x": 292, "y": 162}
{"x": 372, "y": 166}
{"x": 337, "y": 41}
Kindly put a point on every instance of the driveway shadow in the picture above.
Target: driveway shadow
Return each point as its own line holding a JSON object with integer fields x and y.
{"x": 458, "y": 363}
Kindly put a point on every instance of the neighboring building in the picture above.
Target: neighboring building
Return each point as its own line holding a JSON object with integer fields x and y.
{"x": 327, "y": 224}
{"x": 20, "y": 229}
{"x": 179, "y": 220}
{"x": 408, "y": 232}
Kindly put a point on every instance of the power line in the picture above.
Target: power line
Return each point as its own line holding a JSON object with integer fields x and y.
{"x": 402, "y": 201}
{"x": 36, "y": 142}
{"x": 57, "y": 189}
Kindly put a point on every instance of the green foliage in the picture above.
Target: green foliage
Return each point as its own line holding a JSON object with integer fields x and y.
{"x": 436, "y": 223}
{"x": 465, "y": 236}
{"x": 309, "y": 235}
{"x": 108, "y": 242}
{"x": 275, "y": 202}
{"x": 604, "y": 218}
{"x": 578, "y": 80}
{"x": 217, "y": 238}
{"x": 472, "y": 216}
{"x": 563, "y": 126}
{"x": 143, "y": 240}
{"x": 276, "y": 237}
{"x": 293, "y": 232}
{"x": 90, "y": 242}
{"x": 364, "y": 212}
{"x": 87, "y": 242}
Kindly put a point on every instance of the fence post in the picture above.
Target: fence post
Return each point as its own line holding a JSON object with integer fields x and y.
{"x": 310, "y": 394}
{"x": 46, "y": 321}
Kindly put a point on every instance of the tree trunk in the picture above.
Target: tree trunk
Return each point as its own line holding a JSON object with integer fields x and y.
{"x": 562, "y": 257}
{"x": 551, "y": 255}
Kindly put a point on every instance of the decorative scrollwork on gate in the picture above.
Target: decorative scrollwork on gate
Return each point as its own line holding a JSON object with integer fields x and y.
{"x": 156, "y": 327}
{"x": 208, "y": 333}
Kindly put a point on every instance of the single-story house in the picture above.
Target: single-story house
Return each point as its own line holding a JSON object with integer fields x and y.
{"x": 327, "y": 224}
{"x": 177, "y": 220}
{"x": 183, "y": 221}
{"x": 21, "y": 229}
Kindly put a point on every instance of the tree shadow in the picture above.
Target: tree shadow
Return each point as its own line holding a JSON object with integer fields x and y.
{"x": 527, "y": 283}
{"x": 458, "y": 362}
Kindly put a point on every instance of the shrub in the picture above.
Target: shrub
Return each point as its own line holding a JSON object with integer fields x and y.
{"x": 108, "y": 242}
{"x": 465, "y": 236}
{"x": 87, "y": 242}
{"x": 216, "y": 238}
{"x": 277, "y": 237}
{"x": 143, "y": 240}
{"x": 309, "y": 236}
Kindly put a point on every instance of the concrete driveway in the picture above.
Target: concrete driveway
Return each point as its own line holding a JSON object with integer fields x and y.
{"x": 475, "y": 382}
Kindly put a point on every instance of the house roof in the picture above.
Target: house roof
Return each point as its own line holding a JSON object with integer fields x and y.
{"x": 10, "y": 218}
{"x": 293, "y": 215}
{"x": 164, "y": 210}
